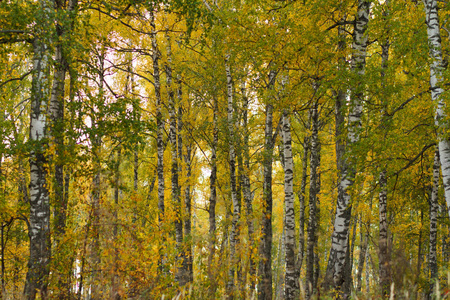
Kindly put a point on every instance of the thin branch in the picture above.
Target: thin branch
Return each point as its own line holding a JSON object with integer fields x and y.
{"x": 14, "y": 79}
{"x": 411, "y": 161}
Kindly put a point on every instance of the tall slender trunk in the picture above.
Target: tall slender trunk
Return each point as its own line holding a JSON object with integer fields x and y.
{"x": 290, "y": 286}
{"x": 213, "y": 198}
{"x": 419, "y": 253}
{"x": 301, "y": 198}
{"x": 367, "y": 272}
{"x": 39, "y": 220}
{"x": 364, "y": 238}
{"x": 239, "y": 172}
{"x": 181, "y": 275}
{"x": 335, "y": 270}
{"x": 159, "y": 129}
{"x": 246, "y": 187}
{"x": 265, "y": 264}
{"x": 313, "y": 198}
{"x": 384, "y": 253}
{"x": 434, "y": 207}
{"x": 190, "y": 152}
{"x": 115, "y": 285}
{"x": 188, "y": 257}
{"x": 385, "y": 277}
{"x": 234, "y": 198}
{"x": 56, "y": 113}
{"x": 95, "y": 200}
{"x": 96, "y": 141}
{"x": 436, "y": 78}
{"x": 348, "y": 283}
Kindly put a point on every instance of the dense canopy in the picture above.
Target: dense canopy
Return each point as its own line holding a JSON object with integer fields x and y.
{"x": 245, "y": 149}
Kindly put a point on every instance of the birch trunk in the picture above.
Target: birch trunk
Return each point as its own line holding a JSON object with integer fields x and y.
{"x": 340, "y": 237}
{"x": 213, "y": 198}
{"x": 190, "y": 152}
{"x": 434, "y": 208}
{"x": 384, "y": 254}
{"x": 56, "y": 113}
{"x": 232, "y": 162}
{"x": 115, "y": 286}
{"x": 159, "y": 127}
{"x": 188, "y": 257}
{"x": 265, "y": 264}
{"x": 364, "y": 238}
{"x": 96, "y": 141}
{"x": 301, "y": 198}
{"x": 290, "y": 287}
{"x": 181, "y": 275}
{"x": 313, "y": 198}
{"x": 385, "y": 277}
{"x": 246, "y": 187}
{"x": 39, "y": 220}
{"x": 436, "y": 77}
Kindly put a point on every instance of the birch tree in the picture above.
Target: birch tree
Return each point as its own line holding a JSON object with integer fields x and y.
{"x": 39, "y": 220}
{"x": 159, "y": 120}
{"x": 340, "y": 237}
{"x": 434, "y": 206}
{"x": 290, "y": 287}
{"x": 436, "y": 80}
{"x": 265, "y": 264}
{"x": 314, "y": 189}
{"x": 234, "y": 198}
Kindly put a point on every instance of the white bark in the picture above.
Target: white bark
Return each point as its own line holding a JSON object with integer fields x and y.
{"x": 234, "y": 198}
{"x": 290, "y": 280}
{"x": 335, "y": 268}
{"x": 39, "y": 229}
{"x": 434, "y": 207}
{"x": 313, "y": 199}
{"x": 246, "y": 188}
{"x": 436, "y": 68}
{"x": 159, "y": 118}
{"x": 181, "y": 275}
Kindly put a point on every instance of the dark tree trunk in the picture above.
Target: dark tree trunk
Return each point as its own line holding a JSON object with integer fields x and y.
{"x": 265, "y": 264}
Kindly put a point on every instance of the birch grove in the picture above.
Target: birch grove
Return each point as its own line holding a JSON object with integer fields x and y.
{"x": 215, "y": 149}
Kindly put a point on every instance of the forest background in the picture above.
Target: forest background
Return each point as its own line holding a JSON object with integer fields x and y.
{"x": 217, "y": 149}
